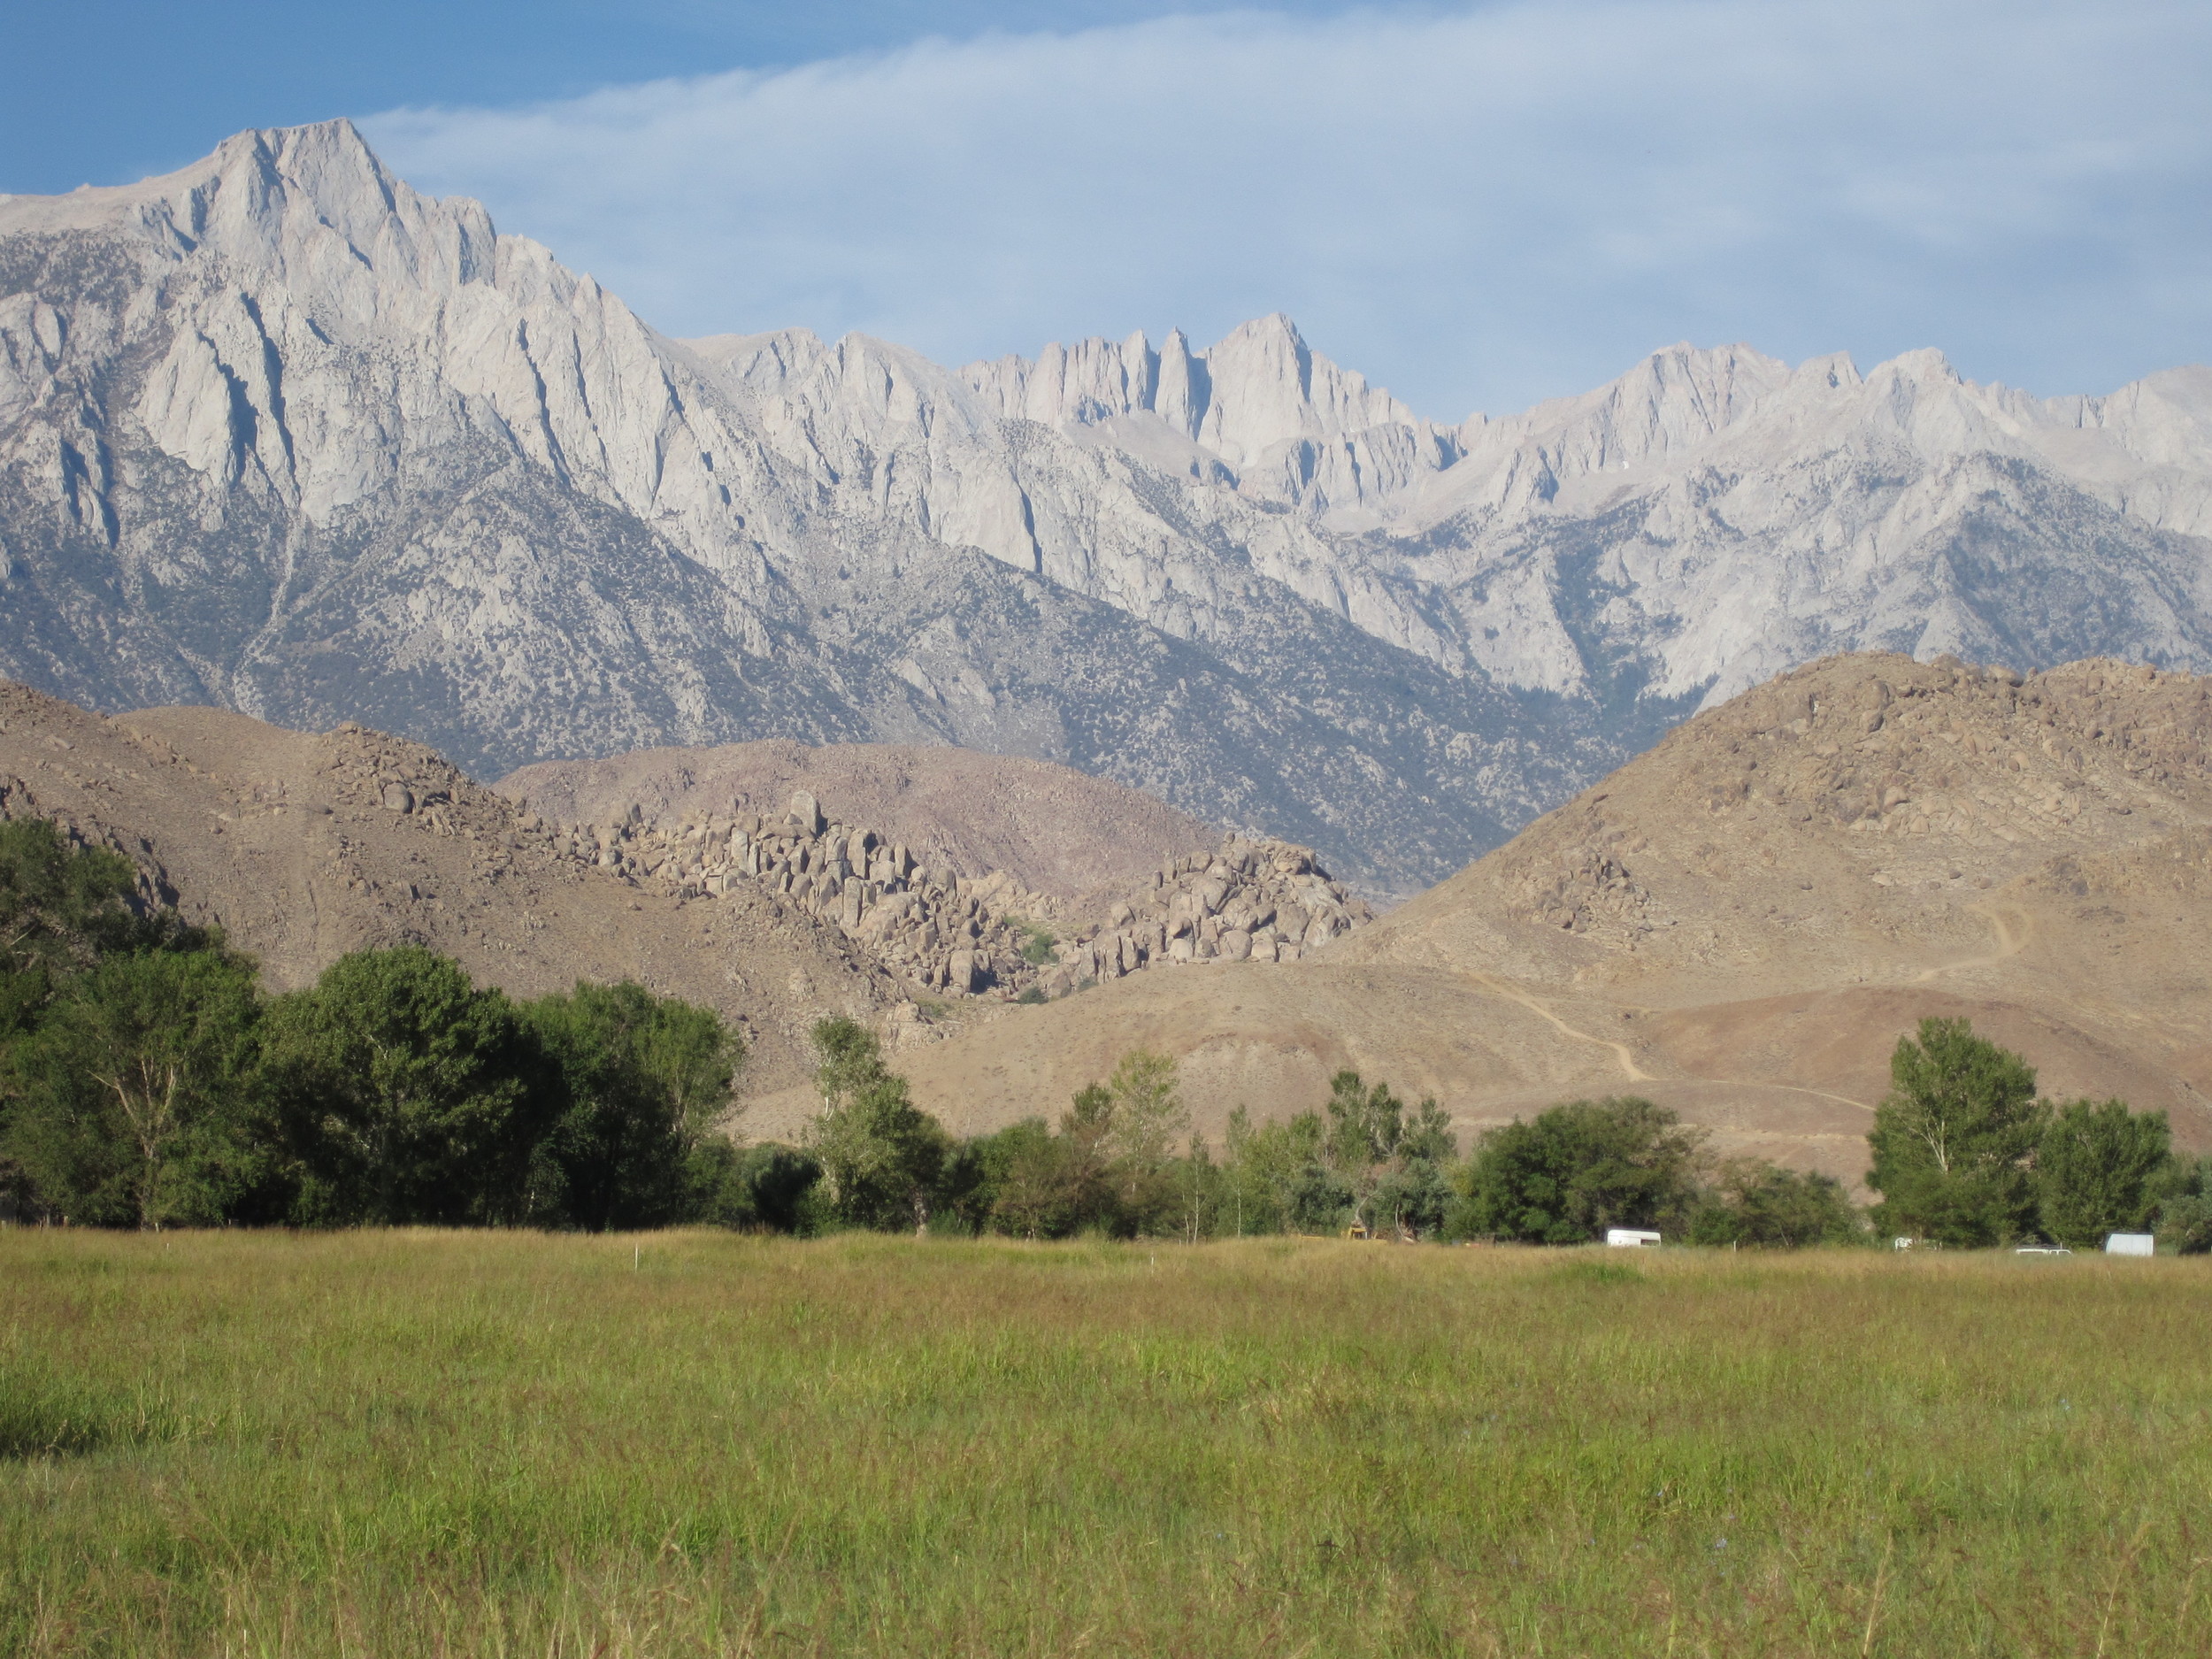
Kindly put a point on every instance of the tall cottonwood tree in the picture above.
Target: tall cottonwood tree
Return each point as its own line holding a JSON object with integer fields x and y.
{"x": 881, "y": 1156}
{"x": 408, "y": 1094}
{"x": 1147, "y": 1118}
{"x": 642, "y": 1078}
{"x": 1953, "y": 1141}
{"x": 138, "y": 1091}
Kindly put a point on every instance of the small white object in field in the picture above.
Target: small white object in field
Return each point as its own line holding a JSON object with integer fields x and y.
{"x": 1630, "y": 1238}
{"x": 2130, "y": 1244}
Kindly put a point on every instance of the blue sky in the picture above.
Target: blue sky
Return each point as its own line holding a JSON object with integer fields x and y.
{"x": 1475, "y": 205}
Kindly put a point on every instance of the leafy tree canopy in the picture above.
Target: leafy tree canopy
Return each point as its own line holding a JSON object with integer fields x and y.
{"x": 881, "y": 1156}
{"x": 1953, "y": 1139}
{"x": 644, "y": 1077}
{"x": 407, "y": 1096}
{"x": 62, "y": 907}
{"x": 137, "y": 1091}
{"x": 1148, "y": 1114}
{"x": 2098, "y": 1169}
{"x": 1755, "y": 1202}
{"x": 1577, "y": 1169}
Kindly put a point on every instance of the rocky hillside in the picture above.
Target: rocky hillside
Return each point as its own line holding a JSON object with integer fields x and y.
{"x": 304, "y": 846}
{"x": 279, "y": 435}
{"x": 1742, "y": 922}
{"x": 1808, "y": 824}
{"x": 932, "y": 927}
{"x": 1053, "y": 830}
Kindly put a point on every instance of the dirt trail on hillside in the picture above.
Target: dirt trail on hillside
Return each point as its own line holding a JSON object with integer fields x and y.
{"x": 1512, "y": 992}
{"x": 2012, "y": 939}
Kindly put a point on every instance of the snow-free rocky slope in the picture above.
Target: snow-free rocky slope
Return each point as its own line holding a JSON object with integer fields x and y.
{"x": 1739, "y": 924}
{"x": 279, "y": 434}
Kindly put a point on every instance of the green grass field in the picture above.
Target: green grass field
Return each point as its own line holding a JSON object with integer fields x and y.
{"x": 403, "y": 1443}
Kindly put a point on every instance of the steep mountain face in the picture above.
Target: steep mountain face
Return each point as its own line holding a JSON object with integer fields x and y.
{"x": 279, "y": 434}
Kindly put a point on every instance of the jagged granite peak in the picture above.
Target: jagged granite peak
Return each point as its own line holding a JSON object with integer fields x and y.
{"x": 278, "y": 433}
{"x": 1260, "y": 402}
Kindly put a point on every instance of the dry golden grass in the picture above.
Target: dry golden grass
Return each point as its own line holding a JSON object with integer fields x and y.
{"x": 405, "y": 1443}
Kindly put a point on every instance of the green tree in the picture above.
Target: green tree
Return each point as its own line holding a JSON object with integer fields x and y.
{"x": 1756, "y": 1202}
{"x": 1200, "y": 1186}
{"x": 2097, "y": 1171}
{"x": 1278, "y": 1178}
{"x": 1149, "y": 1115}
{"x": 135, "y": 1093}
{"x": 409, "y": 1097}
{"x": 1088, "y": 1166}
{"x": 1577, "y": 1169}
{"x": 882, "y": 1157}
{"x": 1394, "y": 1164}
{"x": 1419, "y": 1195}
{"x": 1363, "y": 1128}
{"x": 1147, "y": 1119}
{"x": 2184, "y": 1211}
{"x": 643, "y": 1077}
{"x": 758, "y": 1188}
{"x": 1027, "y": 1188}
{"x": 1955, "y": 1140}
{"x": 62, "y": 907}
{"x": 1246, "y": 1202}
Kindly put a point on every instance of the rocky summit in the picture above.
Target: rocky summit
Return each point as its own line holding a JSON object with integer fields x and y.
{"x": 279, "y": 434}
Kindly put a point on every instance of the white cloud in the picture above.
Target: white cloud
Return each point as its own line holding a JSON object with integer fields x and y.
{"x": 1475, "y": 209}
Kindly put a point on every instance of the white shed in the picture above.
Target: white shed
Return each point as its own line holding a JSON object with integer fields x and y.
{"x": 1630, "y": 1238}
{"x": 2130, "y": 1244}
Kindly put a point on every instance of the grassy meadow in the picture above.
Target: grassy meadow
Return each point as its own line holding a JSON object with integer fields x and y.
{"x": 392, "y": 1443}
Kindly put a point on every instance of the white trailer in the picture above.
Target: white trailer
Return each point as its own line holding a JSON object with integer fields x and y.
{"x": 1630, "y": 1238}
{"x": 2130, "y": 1244}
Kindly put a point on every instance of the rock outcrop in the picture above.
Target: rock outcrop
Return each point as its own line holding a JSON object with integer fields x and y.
{"x": 939, "y": 932}
{"x": 1055, "y": 830}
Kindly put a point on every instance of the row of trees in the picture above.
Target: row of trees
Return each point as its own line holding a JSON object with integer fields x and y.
{"x": 1122, "y": 1162}
{"x": 1965, "y": 1153}
{"x": 146, "y": 1079}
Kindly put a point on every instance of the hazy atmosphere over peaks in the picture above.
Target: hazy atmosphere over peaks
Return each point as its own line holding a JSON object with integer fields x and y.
{"x": 1478, "y": 206}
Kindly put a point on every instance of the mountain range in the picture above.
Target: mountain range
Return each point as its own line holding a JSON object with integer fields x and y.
{"x": 280, "y": 434}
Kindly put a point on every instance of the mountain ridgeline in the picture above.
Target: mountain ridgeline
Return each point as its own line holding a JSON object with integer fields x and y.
{"x": 279, "y": 435}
